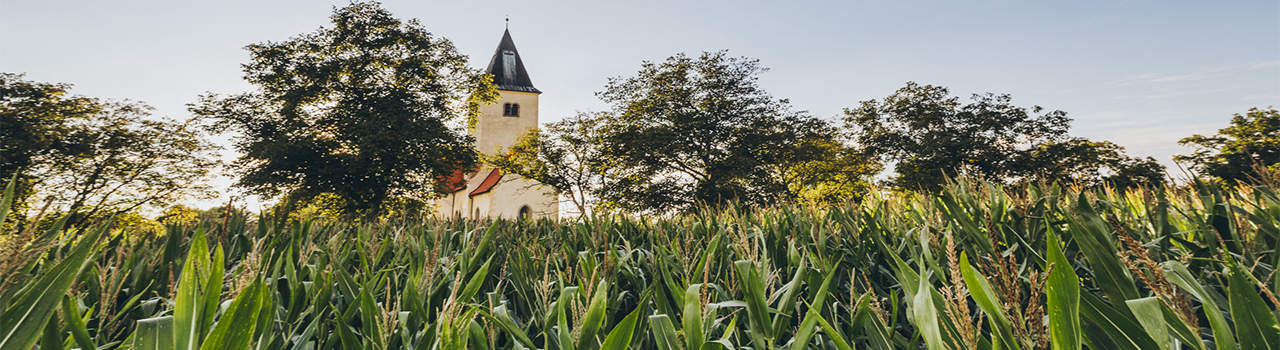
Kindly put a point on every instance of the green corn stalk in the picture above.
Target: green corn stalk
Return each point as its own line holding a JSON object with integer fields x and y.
{"x": 25, "y": 319}
{"x": 863, "y": 275}
{"x": 1063, "y": 291}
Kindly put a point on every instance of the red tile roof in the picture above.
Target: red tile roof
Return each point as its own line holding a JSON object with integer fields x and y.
{"x": 487, "y": 184}
{"x": 455, "y": 182}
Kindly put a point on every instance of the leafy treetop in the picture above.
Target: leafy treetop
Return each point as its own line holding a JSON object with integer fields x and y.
{"x": 95, "y": 158}
{"x": 699, "y": 129}
{"x": 1252, "y": 140}
{"x": 370, "y": 109}
{"x": 927, "y": 135}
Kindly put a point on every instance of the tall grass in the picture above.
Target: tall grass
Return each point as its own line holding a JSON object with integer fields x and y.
{"x": 972, "y": 267}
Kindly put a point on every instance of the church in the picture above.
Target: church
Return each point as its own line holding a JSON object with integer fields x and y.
{"x": 488, "y": 192}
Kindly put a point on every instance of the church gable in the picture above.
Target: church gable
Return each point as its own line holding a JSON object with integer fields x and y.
{"x": 487, "y": 184}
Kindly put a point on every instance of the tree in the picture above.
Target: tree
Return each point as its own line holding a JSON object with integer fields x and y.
{"x": 927, "y": 135}
{"x": 94, "y": 158}
{"x": 1089, "y": 163}
{"x": 179, "y": 215}
{"x": 35, "y": 123}
{"x": 564, "y": 155}
{"x": 370, "y": 109}
{"x": 126, "y": 159}
{"x": 827, "y": 172}
{"x": 692, "y": 130}
{"x": 1252, "y": 140}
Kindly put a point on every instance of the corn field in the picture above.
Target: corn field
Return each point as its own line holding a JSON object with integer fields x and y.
{"x": 972, "y": 267}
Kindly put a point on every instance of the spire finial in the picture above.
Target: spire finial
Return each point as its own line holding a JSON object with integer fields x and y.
{"x": 508, "y": 21}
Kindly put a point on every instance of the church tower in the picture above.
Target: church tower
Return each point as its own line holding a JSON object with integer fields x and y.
{"x": 516, "y": 110}
{"x": 488, "y": 193}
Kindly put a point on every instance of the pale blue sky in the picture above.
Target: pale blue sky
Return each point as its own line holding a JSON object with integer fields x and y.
{"x": 1139, "y": 73}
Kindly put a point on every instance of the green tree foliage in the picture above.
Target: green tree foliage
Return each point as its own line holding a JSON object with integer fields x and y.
{"x": 91, "y": 157}
{"x": 1252, "y": 140}
{"x": 130, "y": 159}
{"x": 700, "y": 130}
{"x": 826, "y": 171}
{"x": 179, "y": 215}
{"x": 927, "y": 135}
{"x": 564, "y": 155}
{"x": 35, "y": 127}
{"x": 370, "y": 109}
{"x": 1090, "y": 163}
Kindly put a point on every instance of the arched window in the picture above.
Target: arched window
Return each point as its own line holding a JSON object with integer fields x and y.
{"x": 511, "y": 110}
{"x": 525, "y": 212}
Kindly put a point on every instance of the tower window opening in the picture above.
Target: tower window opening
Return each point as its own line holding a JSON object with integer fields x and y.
{"x": 508, "y": 65}
{"x": 511, "y": 110}
{"x": 525, "y": 212}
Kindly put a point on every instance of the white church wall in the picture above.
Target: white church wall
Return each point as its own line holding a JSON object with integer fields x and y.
{"x": 481, "y": 206}
{"x": 452, "y": 204}
{"x": 514, "y": 192}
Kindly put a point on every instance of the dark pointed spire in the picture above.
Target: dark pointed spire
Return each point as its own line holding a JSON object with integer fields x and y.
{"x": 507, "y": 68}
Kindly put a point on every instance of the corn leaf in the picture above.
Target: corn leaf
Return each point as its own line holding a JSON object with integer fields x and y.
{"x": 1063, "y": 293}
{"x": 72, "y": 316}
{"x": 810, "y": 322}
{"x": 193, "y": 294}
{"x": 6, "y": 200}
{"x": 691, "y": 317}
{"x": 757, "y": 309}
{"x": 832, "y": 332}
{"x": 985, "y": 297}
{"x": 24, "y": 320}
{"x": 620, "y": 337}
{"x": 1105, "y": 327}
{"x": 925, "y": 315}
{"x": 664, "y": 332}
{"x": 1255, "y": 323}
{"x": 594, "y": 319}
{"x": 1151, "y": 317}
{"x": 564, "y": 334}
{"x": 1179, "y": 276}
{"x": 235, "y": 328}
{"x": 154, "y": 334}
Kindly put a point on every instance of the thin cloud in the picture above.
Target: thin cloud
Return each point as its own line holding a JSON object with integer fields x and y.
{"x": 1175, "y": 92}
{"x": 1184, "y": 77}
{"x": 1261, "y": 97}
{"x": 1216, "y": 72}
{"x": 1265, "y": 65}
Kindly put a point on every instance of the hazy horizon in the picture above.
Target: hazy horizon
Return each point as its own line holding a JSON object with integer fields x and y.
{"x": 1140, "y": 74}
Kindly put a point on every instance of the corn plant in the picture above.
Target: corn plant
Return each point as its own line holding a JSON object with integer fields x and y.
{"x": 974, "y": 266}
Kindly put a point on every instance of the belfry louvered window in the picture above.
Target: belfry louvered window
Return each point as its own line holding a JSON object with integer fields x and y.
{"x": 508, "y": 65}
{"x": 511, "y": 110}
